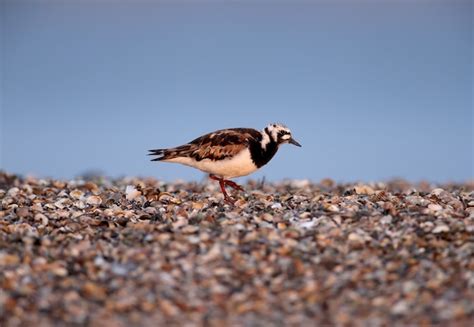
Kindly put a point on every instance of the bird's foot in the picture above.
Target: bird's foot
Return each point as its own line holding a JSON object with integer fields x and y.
{"x": 229, "y": 200}
{"x": 222, "y": 184}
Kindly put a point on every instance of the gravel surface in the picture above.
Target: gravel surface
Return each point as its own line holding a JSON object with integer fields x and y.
{"x": 141, "y": 252}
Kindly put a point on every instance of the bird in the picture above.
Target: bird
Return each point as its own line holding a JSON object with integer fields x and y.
{"x": 229, "y": 153}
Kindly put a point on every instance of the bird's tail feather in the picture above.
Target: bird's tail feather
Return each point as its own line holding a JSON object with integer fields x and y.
{"x": 166, "y": 154}
{"x": 157, "y": 152}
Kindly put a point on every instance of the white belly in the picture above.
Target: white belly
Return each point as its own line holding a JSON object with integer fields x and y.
{"x": 239, "y": 165}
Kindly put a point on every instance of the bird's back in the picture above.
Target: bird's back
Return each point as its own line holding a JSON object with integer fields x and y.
{"x": 218, "y": 145}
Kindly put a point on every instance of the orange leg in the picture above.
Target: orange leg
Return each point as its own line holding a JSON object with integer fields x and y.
{"x": 222, "y": 183}
{"x": 234, "y": 185}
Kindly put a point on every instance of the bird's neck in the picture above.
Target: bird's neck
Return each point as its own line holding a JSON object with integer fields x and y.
{"x": 263, "y": 150}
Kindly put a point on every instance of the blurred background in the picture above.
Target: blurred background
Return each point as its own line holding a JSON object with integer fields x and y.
{"x": 372, "y": 89}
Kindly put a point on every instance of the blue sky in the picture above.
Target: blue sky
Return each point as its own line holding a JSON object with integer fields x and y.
{"x": 371, "y": 90}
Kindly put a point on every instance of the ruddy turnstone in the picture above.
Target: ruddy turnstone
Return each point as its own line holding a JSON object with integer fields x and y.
{"x": 229, "y": 153}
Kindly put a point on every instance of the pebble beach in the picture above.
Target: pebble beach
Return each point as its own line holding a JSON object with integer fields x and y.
{"x": 143, "y": 252}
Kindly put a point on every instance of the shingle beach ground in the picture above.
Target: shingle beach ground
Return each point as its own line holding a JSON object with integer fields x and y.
{"x": 140, "y": 252}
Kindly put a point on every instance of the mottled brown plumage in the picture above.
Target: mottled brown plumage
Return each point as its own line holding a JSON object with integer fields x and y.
{"x": 218, "y": 145}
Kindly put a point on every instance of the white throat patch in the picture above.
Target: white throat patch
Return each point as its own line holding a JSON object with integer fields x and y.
{"x": 265, "y": 139}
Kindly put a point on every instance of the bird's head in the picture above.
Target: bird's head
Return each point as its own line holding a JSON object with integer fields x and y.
{"x": 280, "y": 134}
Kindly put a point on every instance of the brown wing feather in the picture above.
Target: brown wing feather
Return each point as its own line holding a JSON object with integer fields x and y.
{"x": 223, "y": 143}
{"x": 217, "y": 145}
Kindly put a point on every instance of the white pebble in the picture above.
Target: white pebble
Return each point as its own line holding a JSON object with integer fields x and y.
{"x": 400, "y": 308}
{"x": 440, "y": 229}
{"x": 437, "y": 191}
{"x": 308, "y": 224}
{"x": 131, "y": 192}
{"x": 276, "y": 205}
{"x": 386, "y": 219}
{"x": 435, "y": 207}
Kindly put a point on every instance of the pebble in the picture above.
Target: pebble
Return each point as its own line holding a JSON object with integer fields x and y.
{"x": 386, "y": 220}
{"x": 76, "y": 194}
{"x": 364, "y": 190}
{"x": 331, "y": 207}
{"x": 440, "y": 229}
{"x": 144, "y": 252}
{"x": 131, "y": 192}
{"x": 435, "y": 207}
{"x": 94, "y": 200}
{"x": 276, "y": 205}
{"x": 400, "y": 308}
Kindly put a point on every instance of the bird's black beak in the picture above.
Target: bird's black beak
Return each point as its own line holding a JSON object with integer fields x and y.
{"x": 293, "y": 141}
